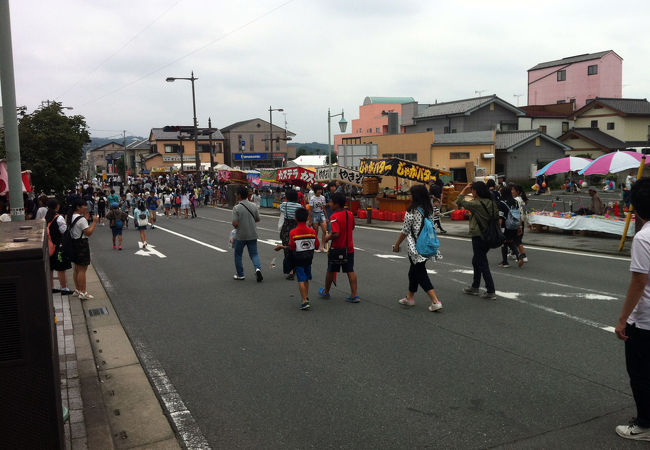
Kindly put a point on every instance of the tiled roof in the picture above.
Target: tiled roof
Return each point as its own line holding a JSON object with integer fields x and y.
{"x": 470, "y": 137}
{"x": 160, "y": 135}
{"x": 140, "y": 144}
{"x": 570, "y": 60}
{"x": 464, "y": 106}
{"x": 264, "y": 127}
{"x": 629, "y": 106}
{"x": 387, "y": 100}
{"x": 507, "y": 139}
{"x": 596, "y": 136}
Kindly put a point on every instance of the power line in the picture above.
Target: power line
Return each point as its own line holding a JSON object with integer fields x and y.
{"x": 135, "y": 36}
{"x": 203, "y": 47}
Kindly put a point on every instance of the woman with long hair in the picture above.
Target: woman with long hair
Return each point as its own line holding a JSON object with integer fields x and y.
{"x": 483, "y": 209}
{"x": 419, "y": 209}
{"x": 59, "y": 263}
{"x": 521, "y": 199}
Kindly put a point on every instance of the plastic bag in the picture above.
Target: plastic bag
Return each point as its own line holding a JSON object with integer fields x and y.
{"x": 231, "y": 241}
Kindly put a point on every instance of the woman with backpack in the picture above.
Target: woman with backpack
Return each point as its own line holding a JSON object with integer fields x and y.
{"x": 59, "y": 262}
{"x": 420, "y": 210}
{"x": 141, "y": 219}
{"x": 80, "y": 229}
{"x": 484, "y": 210}
{"x": 510, "y": 224}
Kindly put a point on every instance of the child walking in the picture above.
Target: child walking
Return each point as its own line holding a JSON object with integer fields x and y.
{"x": 141, "y": 219}
{"x": 436, "y": 215}
{"x": 303, "y": 242}
{"x": 116, "y": 218}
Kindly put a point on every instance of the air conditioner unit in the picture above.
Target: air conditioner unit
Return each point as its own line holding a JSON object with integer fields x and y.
{"x": 487, "y": 155}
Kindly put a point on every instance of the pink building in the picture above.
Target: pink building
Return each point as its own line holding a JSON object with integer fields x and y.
{"x": 373, "y": 117}
{"x": 576, "y": 79}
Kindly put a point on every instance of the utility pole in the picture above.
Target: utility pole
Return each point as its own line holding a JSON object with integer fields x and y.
{"x": 8, "y": 84}
{"x": 126, "y": 155}
{"x": 211, "y": 149}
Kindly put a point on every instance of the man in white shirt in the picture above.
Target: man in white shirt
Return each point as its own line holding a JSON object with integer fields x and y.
{"x": 633, "y": 325}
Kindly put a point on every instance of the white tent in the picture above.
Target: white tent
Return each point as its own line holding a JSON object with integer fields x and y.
{"x": 309, "y": 161}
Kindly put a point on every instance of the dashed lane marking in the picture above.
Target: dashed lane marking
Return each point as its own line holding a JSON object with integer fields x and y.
{"x": 196, "y": 241}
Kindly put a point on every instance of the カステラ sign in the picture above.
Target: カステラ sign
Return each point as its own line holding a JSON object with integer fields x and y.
{"x": 295, "y": 175}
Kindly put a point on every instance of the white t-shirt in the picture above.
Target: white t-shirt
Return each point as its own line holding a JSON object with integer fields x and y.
{"x": 641, "y": 264}
{"x": 42, "y": 211}
{"x": 77, "y": 231}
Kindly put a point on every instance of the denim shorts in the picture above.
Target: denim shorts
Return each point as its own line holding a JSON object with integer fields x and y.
{"x": 116, "y": 231}
{"x": 318, "y": 217}
{"x": 303, "y": 273}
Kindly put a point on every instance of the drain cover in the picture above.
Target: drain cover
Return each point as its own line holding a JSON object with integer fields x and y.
{"x": 97, "y": 312}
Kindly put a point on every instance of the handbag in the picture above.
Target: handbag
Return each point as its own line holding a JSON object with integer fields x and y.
{"x": 492, "y": 235}
{"x": 340, "y": 255}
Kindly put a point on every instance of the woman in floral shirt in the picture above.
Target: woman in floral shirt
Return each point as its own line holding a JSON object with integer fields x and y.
{"x": 420, "y": 208}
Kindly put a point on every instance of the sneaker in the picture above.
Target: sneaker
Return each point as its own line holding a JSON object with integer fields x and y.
{"x": 237, "y": 277}
{"x": 119, "y": 248}
{"x": 305, "y": 306}
{"x": 512, "y": 256}
{"x": 489, "y": 296}
{"x": 144, "y": 244}
{"x": 85, "y": 296}
{"x": 323, "y": 294}
{"x": 435, "y": 307}
{"x": 66, "y": 291}
{"x": 152, "y": 227}
{"x": 258, "y": 274}
{"x": 471, "y": 291}
{"x": 354, "y": 299}
{"x": 406, "y": 301}
{"x": 289, "y": 277}
{"x": 114, "y": 247}
{"x": 55, "y": 290}
{"x": 443, "y": 231}
{"x": 504, "y": 265}
{"x": 633, "y": 431}
{"x": 524, "y": 257}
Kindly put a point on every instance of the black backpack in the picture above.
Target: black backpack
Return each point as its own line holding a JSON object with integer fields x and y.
{"x": 492, "y": 234}
{"x": 68, "y": 240}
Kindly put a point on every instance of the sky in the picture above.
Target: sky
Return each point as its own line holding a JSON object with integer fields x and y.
{"x": 108, "y": 59}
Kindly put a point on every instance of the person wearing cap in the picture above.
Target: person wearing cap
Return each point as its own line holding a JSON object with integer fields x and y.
{"x": 116, "y": 219}
{"x": 597, "y": 207}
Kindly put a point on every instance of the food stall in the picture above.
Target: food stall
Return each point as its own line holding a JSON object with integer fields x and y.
{"x": 297, "y": 176}
{"x": 232, "y": 176}
{"x": 398, "y": 168}
{"x": 343, "y": 175}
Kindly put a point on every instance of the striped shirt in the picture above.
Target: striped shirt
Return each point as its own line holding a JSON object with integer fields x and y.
{"x": 289, "y": 209}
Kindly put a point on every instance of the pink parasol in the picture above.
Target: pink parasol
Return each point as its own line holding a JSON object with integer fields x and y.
{"x": 614, "y": 162}
{"x": 564, "y": 165}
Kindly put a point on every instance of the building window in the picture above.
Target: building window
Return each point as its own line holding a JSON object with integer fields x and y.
{"x": 561, "y": 75}
{"x": 446, "y": 131}
{"x": 491, "y": 106}
{"x": 171, "y": 148}
{"x": 453, "y": 130}
{"x": 429, "y": 129}
{"x": 459, "y": 155}
{"x": 610, "y": 125}
{"x": 376, "y": 130}
{"x": 560, "y": 102}
{"x": 542, "y": 128}
{"x": 411, "y": 157}
{"x": 592, "y": 70}
{"x": 538, "y": 141}
{"x": 594, "y": 124}
{"x": 565, "y": 127}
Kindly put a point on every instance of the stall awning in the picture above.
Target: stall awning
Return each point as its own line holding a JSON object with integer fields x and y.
{"x": 395, "y": 167}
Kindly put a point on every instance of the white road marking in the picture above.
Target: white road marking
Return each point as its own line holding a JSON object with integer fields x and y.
{"x": 148, "y": 251}
{"x": 432, "y": 272}
{"x": 465, "y": 271}
{"x": 269, "y": 242}
{"x": 196, "y": 241}
{"x": 390, "y": 256}
{"x": 578, "y": 295}
{"x": 510, "y": 295}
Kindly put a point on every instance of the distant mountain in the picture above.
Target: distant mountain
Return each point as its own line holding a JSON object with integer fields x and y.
{"x": 99, "y": 141}
{"x": 313, "y": 148}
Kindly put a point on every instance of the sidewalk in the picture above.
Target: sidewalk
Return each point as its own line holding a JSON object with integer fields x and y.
{"x": 589, "y": 242}
{"x": 112, "y": 403}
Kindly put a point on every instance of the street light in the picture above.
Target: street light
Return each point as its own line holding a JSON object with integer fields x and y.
{"x": 271, "y": 130}
{"x": 342, "y": 125}
{"x": 192, "y": 78}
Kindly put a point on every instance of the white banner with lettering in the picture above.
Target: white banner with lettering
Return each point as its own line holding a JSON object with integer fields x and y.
{"x": 338, "y": 173}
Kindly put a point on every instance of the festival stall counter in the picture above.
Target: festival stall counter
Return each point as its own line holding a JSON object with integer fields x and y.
{"x": 398, "y": 168}
{"x": 569, "y": 221}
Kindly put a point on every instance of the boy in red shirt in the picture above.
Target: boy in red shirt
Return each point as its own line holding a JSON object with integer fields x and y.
{"x": 342, "y": 222}
{"x": 302, "y": 243}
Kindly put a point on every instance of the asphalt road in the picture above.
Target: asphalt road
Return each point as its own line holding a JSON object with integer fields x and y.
{"x": 539, "y": 367}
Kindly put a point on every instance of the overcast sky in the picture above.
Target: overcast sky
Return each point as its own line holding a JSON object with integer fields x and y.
{"x": 109, "y": 58}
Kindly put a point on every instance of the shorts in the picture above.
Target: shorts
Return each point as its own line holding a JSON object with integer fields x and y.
{"x": 101, "y": 213}
{"x": 81, "y": 252}
{"x": 185, "y": 206}
{"x": 168, "y": 205}
{"x": 345, "y": 268}
{"x": 59, "y": 262}
{"x": 141, "y": 227}
{"x": 318, "y": 217}
{"x": 116, "y": 231}
{"x": 303, "y": 273}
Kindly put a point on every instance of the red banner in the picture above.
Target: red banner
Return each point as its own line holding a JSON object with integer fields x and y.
{"x": 296, "y": 175}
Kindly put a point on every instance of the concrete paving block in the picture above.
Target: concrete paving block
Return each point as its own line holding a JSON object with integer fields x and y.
{"x": 78, "y": 430}
{"x": 76, "y": 415}
{"x": 134, "y": 411}
{"x": 168, "y": 444}
{"x": 80, "y": 444}
{"x": 112, "y": 348}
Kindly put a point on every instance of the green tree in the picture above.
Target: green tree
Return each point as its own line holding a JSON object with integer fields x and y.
{"x": 51, "y": 146}
{"x": 121, "y": 167}
{"x": 335, "y": 158}
{"x": 301, "y": 151}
